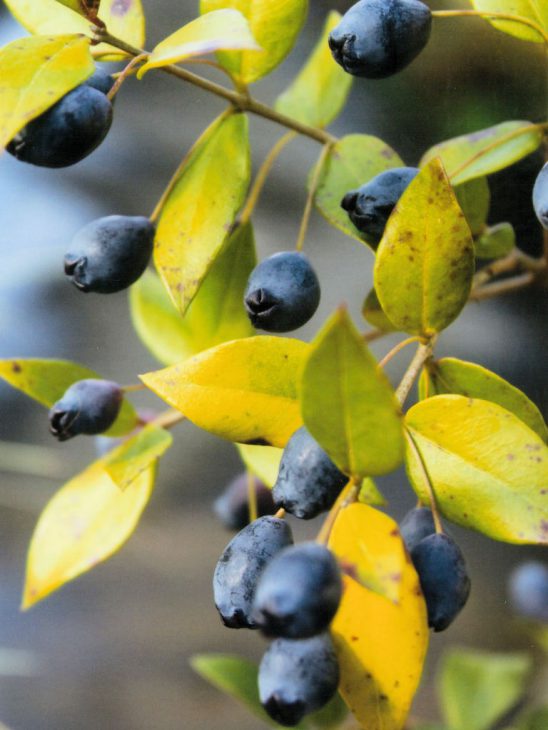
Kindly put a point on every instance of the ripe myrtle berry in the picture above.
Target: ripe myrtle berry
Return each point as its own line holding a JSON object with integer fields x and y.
{"x": 241, "y": 564}
{"x": 540, "y": 196}
{"x": 417, "y": 524}
{"x": 298, "y": 593}
{"x": 110, "y": 254}
{"x": 282, "y": 293}
{"x": 88, "y": 406}
{"x": 308, "y": 481}
{"x": 378, "y": 38}
{"x": 101, "y": 81}
{"x": 232, "y": 506}
{"x": 528, "y": 590}
{"x": 370, "y": 206}
{"x": 443, "y": 577}
{"x": 67, "y": 132}
{"x": 297, "y": 678}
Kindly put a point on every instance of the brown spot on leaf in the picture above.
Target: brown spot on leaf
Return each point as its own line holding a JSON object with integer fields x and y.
{"x": 16, "y": 367}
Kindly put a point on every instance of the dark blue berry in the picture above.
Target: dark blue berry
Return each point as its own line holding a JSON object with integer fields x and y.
{"x": 232, "y": 506}
{"x": 443, "y": 578}
{"x": 239, "y": 567}
{"x": 101, "y": 80}
{"x": 297, "y": 678}
{"x": 282, "y": 293}
{"x": 67, "y": 132}
{"x": 88, "y": 406}
{"x": 370, "y": 206}
{"x": 378, "y": 38}
{"x": 308, "y": 481}
{"x": 540, "y": 196}
{"x": 299, "y": 592}
{"x": 528, "y": 590}
{"x": 416, "y": 525}
{"x": 110, "y": 254}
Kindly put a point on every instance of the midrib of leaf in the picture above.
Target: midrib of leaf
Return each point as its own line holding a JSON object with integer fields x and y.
{"x": 343, "y": 383}
{"x": 425, "y": 273}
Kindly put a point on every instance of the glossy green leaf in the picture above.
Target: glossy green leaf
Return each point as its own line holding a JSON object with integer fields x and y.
{"x": 245, "y": 390}
{"x": 46, "y": 380}
{"x": 485, "y": 151}
{"x": 84, "y": 523}
{"x": 215, "y": 31}
{"x": 197, "y": 215}
{"x": 474, "y": 199}
{"x": 274, "y": 25}
{"x": 425, "y": 260}
{"x": 216, "y": 314}
{"x": 318, "y": 94}
{"x": 347, "y": 403}
{"x": 374, "y": 314}
{"x": 263, "y": 461}
{"x": 353, "y": 161}
{"x": 135, "y": 455}
{"x": 124, "y": 19}
{"x": 533, "y": 10}
{"x": 459, "y": 377}
{"x": 369, "y": 494}
{"x": 478, "y": 688}
{"x": 37, "y": 72}
{"x": 489, "y": 470}
{"x": 496, "y": 241}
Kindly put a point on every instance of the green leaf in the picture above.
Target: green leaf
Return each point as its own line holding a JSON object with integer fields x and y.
{"x": 535, "y": 720}
{"x": 478, "y": 688}
{"x": 489, "y": 471}
{"x": 216, "y": 314}
{"x": 534, "y": 10}
{"x": 200, "y": 209}
{"x": 497, "y": 241}
{"x": 135, "y": 455}
{"x": 263, "y": 461}
{"x": 85, "y": 522}
{"x": 370, "y": 494}
{"x": 450, "y": 375}
{"x": 215, "y": 31}
{"x": 35, "y": 73}
{"x": 319, "y": 93}
{"x": 353, "y": 161}
{"x": 474, "y": 199}
{"x": 46, "y": 380}
{"x": 274, "y": 25}
{"x": 373, "y": 313}
{"x": 485, "y": 151}
{"x": 347, "y": 403}
{"x": 245, "y": 390}
{"x": 425, "y": 260}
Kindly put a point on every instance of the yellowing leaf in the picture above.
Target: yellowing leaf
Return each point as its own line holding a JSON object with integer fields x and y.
{"x": 319, "y": 92}
{"x": 215, "y": 31}
{"x": 353, "y": 161}
{"x": 263, "y": 461}
{"x": 135, "y": 455}
{"x": 381, "y": 644}
{"x": 197, "y": 216}
{"x": 46, "y": 380}
{"x": 459, "y": 377}
{"x": 244, "y": 390}
{"x": 274, "y": 25}
{"x": 216, "y": 314}
{"x": 124, "y": 19}
{"x": 85, "y": 522}
{"x": 35, "y": 73}
{"x": 534, "y": 10}
{"x": 347, "y": 403}
{"x": 485, "y": 151}
{"x": 488, "y": 469}
{"x": 370, "y": 494}
{"x": 425, "y": 261}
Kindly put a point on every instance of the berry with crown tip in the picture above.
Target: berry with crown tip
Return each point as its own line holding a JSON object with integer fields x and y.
{"x": 540, "y": 196}
{"x": 240, "y": 566}
{"x": 417, "y": 524}
{"x": 378, "y": 38}
{"x": 282, "y": 293}
{"x": 232, "y": 506}
{"x": 110, "y": 254}
{"x": 297, "y": 678}
{"x": 87, "y": 407}
{"x": 528, "y": 590}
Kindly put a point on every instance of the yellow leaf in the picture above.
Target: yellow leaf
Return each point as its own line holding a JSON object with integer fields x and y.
{"x": 135, "y": 455}
{"x": 425, "y": 261}
{"x": 244, "y": 390}
{"x": 535, "y": 10}
{"x": 35, "y": 73}
{"x": 196, "y": 218}
{"x": 263, "y": 461}
{"x": 381, "y": 644}
{"x": 87, "y": 521}
{"x": 215, "y": 31}
{"x": 489, "y": 471}
{"x": 274, "y": 25}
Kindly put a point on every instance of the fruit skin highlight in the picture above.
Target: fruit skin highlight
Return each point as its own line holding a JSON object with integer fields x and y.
{"x": 87, "y": 407}
{"x": 540, "y": 196}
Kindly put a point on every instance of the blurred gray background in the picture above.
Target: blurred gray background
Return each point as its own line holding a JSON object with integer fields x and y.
{"x": 111, "y": 649}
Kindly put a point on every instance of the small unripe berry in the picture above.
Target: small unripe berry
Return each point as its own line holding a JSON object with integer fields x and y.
{"x": 528, "y": 590}
{"x": 87, "y": 407}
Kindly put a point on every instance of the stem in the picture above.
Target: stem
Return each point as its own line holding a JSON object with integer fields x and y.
{"x": 312, "y": 194}
{"x": 348, "y": 496}
{"x": 373, "y": 335}
{"x": 424, "y": 352}
{"x": 262, "y": 175}
{"x": 125, "y": 73}
{"x": 495, "y": 15}
{"x": 251, "y": 497}
{"x": 398, "y": 348}
{"x": 168, "y": 419}
{"x": 427, "y": 481}
{"x": 503, "y": 287}
{"x": 280, "y": 514}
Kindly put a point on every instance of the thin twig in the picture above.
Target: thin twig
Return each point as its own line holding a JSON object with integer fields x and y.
{"x": 251, "y": 497}
{"x": 312, "y": 194}
{"x": 427, "y": 480}
{"x": 424, "y": 352}
{"x": 348, "y": 496}
{"x": 168, "y": 419}
{"x": 503, "y": 287}
{"x": 397, "y": 348}
{"x": 125, "y": 74}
